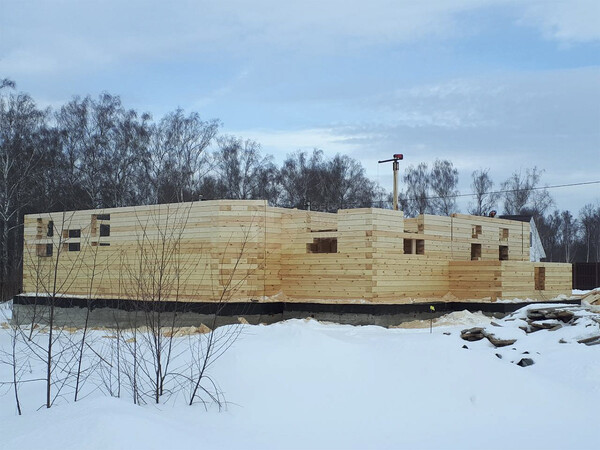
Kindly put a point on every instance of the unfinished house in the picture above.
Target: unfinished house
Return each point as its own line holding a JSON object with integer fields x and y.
{"x": 536, "y": 248}
{"x": 245, "y": 250}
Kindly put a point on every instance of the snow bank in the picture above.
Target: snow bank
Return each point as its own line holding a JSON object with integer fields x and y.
{"x": 5, "y": 311}
{"x": 464, "y": 318}
{"x": 304, "y": 384}
{"x": 584, "y": 292}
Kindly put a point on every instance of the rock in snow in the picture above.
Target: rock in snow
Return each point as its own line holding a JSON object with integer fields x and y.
{"x": 472, "y": 334}
{"x": 478, "y": 333}
{"x": 525, "y": 362}
{"x": 497, "y": 342}
{"x": 564, "y": 315}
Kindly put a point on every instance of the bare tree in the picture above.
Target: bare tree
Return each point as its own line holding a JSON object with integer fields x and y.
{"x": 95, "y": 270}
{"x": 57, "y": 276}
{"x": 418, "y": 189}
{"x": 568, "y": 235}
{"x": 347, "y": 186}
{"x": 125, "y": 182}
{"x": 56, "y": 286}
{"x": 21, "y": 124}
{"x": 548, "y": 227}
{"x": 84, "y": 139}
{"x": 37, "y": 337}
{"x": 313, "y": 182}
{"x": 5, "y": 82}
{"x": 206, "y": 349}
{"x": 176, "y": 161}
{"x": 590, "y": 227}
{"x": 523, "y": 194}
{"x": 596, "y": 233}
{"x": 302, "y": 180}
{"x": 443, "y": 182}
{"x": 15, "y": 358}
{"x": 483, "y": 189}
{"x": 158, "y": 272}
{"x": 243, "y": 173}
{"x": 104, "y": 145}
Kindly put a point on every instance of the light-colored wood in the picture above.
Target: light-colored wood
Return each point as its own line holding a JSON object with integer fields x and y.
{"x": 246, "y": 250}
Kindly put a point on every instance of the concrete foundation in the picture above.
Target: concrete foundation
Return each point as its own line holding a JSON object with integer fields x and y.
{"x": 72, "y": 312}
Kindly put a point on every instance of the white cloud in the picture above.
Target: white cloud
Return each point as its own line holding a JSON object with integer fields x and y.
{"x": 49, "y": 37}
{"x": 567, "y": 21}
{"x": 505, "y": 121}
{"x": 281, "y": 143}
{"x": 22, "y": 61}
{"x": 515, "y": 121}
{"x": 70, "y": 34}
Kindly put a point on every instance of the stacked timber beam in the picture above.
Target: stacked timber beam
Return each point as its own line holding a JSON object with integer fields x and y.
{"x": 189, "y": 251}
{"x": 245, "y": 250}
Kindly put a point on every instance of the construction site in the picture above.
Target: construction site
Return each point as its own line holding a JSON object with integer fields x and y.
{"x": 249, "y": 254}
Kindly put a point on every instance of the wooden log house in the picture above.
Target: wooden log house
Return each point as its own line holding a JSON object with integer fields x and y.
{"x": 245, "y": 250}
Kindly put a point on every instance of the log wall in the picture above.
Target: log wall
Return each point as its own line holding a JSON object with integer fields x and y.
{"x": 247, "y": 250}
{"x": 509, "y": 279}
{"x": 188, "y": 251}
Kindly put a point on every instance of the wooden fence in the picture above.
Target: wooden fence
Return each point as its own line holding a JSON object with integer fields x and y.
{"x": 586, "y": 275}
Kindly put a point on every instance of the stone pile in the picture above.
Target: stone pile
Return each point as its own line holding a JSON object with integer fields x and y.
{"x": 549, "y": 318}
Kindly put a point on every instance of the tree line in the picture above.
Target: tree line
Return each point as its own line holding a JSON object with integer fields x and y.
{"x": 98, "y": 153}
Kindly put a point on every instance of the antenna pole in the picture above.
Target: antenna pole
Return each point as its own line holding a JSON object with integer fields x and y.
{"x": 396, "y": 167}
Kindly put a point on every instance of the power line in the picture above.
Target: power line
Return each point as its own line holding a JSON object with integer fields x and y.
{"x": 503, "y": 191}
{"x": 517, "y": 190}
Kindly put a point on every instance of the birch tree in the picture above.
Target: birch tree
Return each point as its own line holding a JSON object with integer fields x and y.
{"x": 21, "y": 124}
{"x": 483, "y": 189}
{"x": 418, "y": 189}
{"x": 524, "y": 195}
{"x": 444, "y": 182}
{"x": 177, "y": 159}
{"x": 243, "y": 172}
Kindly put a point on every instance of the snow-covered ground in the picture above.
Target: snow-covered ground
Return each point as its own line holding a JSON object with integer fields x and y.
{"x": 305, "y": 384}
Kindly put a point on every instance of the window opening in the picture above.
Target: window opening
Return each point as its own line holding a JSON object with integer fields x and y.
{"x": 539, "y": 275}
{"x": 408, "y": 246}
{"x": 503, "y": 253}
{"x": 75, "y": 233}
{"x": 503, "y": 234}
{"x": 475, "y": 252}
{"x": 44, "y": 250}
{"x": 476, "y": 231}
{"x": 103, "y": 216}
{"x": 420, "y": 247}
{"x": 50, "y": 231}
{"x": 74, "y": 246}
{"x": 322, "y": 245}
{"x": 414, "y": 247}
{"x": 104, "y": 230}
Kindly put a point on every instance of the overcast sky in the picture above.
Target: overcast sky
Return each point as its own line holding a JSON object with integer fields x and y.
{"x": 504, "y": 84}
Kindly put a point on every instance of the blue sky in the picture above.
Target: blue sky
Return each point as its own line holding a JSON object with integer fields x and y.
{"x": 503, "y": 84}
